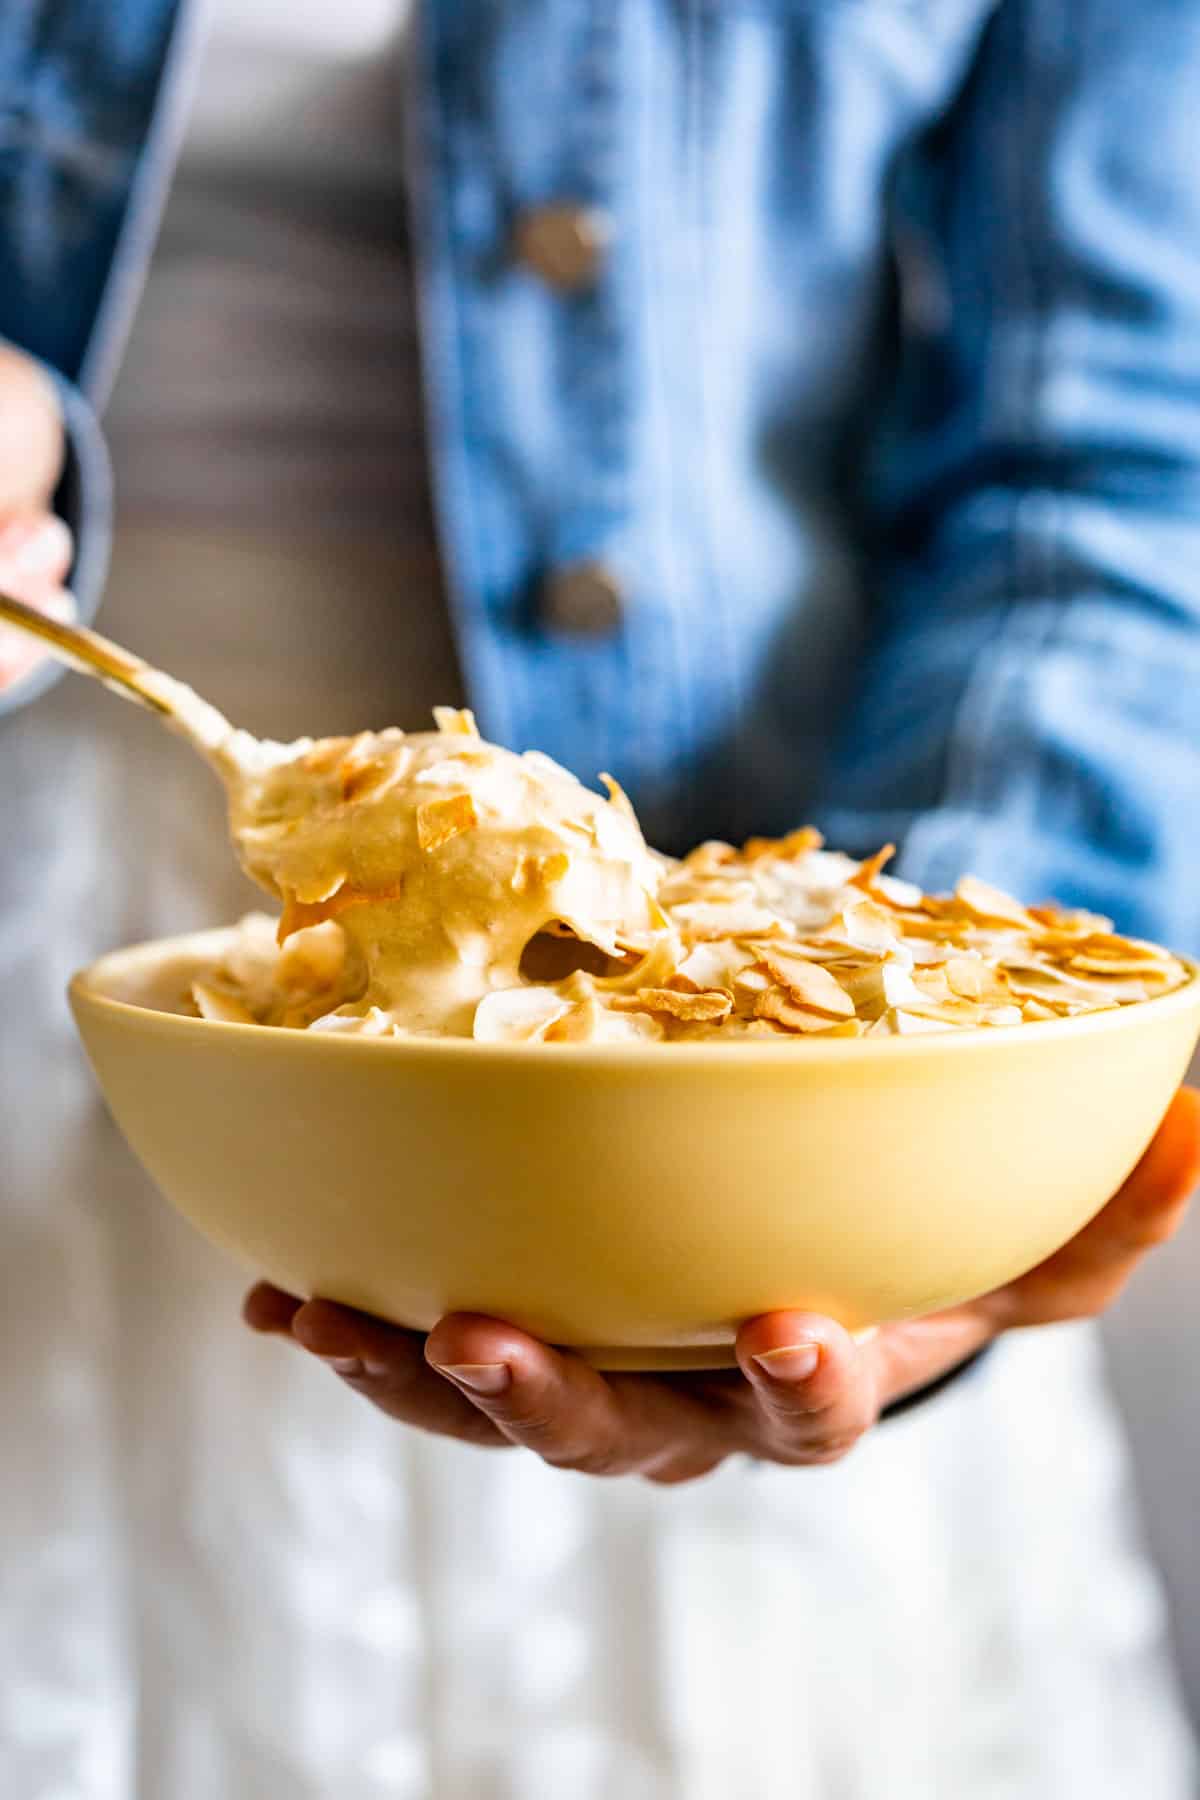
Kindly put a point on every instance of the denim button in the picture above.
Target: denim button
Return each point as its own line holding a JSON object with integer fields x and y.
{"x": 583, "y": 598}
{"x": 563, "y": 243}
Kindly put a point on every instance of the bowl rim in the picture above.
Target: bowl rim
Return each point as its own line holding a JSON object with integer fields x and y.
{"x": 86, "y": 989}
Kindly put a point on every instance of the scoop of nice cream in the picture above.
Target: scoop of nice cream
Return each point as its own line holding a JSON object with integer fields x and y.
{"x": 439, "y": 857}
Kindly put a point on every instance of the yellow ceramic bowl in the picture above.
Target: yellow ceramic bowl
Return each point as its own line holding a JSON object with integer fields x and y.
{"x": 634, "y": 1201}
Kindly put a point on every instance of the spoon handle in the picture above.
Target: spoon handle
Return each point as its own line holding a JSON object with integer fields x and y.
{"x": 87, "y": 652}
{"x": 206, "y": 729}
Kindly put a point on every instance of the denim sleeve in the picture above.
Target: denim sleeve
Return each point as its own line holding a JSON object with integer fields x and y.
{"x": 84, "y": 500}
{"x": 1030, "y": 705}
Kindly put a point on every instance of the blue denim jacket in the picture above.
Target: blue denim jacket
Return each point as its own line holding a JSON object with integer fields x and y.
{"x": 884, "y": 405}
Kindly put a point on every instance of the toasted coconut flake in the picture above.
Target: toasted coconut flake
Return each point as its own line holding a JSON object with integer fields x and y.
{"x": 372, "y": 779}
{"x": 971, "y": 978}
{"x": 632, "y": 1025}
{"x": 215, "y": 1003}
{"x": 707, "y": 858}
{"x": 785, "y": 849}
{"x": 867, "y": 926}
{"x": 1045, "y": 982}
{"x": 577, "y": 1024}
{"x": 712, "y": 965}
{"x": 451, "y": 772}
{"x": 1032, "y": 1010}
{"x": 455, "y": 721}
{"x": 617, "y": 796}
{"x": 533, "y": 872}
{"x": 553, "y": 868}
{"x": 1136, "y": 959}
{"x": 1071, "y": 924}
{"x": 868, "y": 872}
{"x": 896, "y": 1022}
{"x": 319, "y": 888}
{"x": 775, "y": 1005}
{"x": 706, "y": 1006}
{"x": 891, "y": 891}
{"x": 587, "y": 1022}
{"x": 932, "y": 982}
{"x": 1003, "y": 1015}
{"x": 299, "y": 916}
{"x": 313, "y": 957}
{"x": 808, "y": 983}
{"x": 440, "y": 820}
{"x": 991, "y": 904}
{"x": 372, "y": 1023}
{"x": 703, "y": 920}
{"x": 878, "y": 987}
{"x": 684, "y": 884}
{"x": 326, "y": 756}
{"x": 925, "y": 953}
{"x": 517, "y": 1015}
{"x": 524, "y": 874}
{"x": 941, "y": 930}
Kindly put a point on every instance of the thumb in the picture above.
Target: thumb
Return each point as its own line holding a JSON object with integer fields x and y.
{"x": 31, "y": 434}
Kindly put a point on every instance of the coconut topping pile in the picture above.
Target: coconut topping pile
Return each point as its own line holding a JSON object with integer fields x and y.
{"x": 435, "y": 885}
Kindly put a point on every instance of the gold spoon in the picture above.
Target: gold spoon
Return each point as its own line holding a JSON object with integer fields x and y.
{"x": 207, "y": 730}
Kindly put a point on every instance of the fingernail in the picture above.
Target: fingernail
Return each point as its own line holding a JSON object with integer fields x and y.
{"x": 791, "y": 1362}
{"x": 344, "y": 1365}
{"x": 481, "y": 1378}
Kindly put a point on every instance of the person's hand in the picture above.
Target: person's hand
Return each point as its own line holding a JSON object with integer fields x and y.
{"x": 35, "y": 546}
{"x": 806, "y": 1392}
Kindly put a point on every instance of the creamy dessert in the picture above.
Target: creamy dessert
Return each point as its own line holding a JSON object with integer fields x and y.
{"x": 432, "y": 884}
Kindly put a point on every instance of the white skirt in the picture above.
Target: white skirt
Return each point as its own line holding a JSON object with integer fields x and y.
{"x": 225, "y": 1576}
